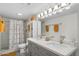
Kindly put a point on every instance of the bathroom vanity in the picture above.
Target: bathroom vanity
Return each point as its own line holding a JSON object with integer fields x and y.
{"x": 39, "y": 47}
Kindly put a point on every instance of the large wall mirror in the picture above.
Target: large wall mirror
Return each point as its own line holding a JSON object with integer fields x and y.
{"x": 33, "y": 18}
{"x": 29, "y": 28}
{"x": 56, "y": 27}
{"x": 47, "y": 28}
{"x": 2, "y": 25}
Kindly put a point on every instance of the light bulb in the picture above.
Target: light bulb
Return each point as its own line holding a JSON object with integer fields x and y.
{"x": 19, "y": 14}
{"x": 68, "y": 7}
{"x": 45, "y": 12}
{"x": 60, "y": 10}
{"x": 54, "y": 12}
{"x": 63, "y": 4}
{"x": 41, "y": 14}
{"x": 56, "y": 7}
{"x": 49, "y": 10}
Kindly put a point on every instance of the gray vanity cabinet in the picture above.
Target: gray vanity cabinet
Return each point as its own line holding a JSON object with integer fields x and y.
{"x": 33, "y": 49}
{"x": 37, "y": 50}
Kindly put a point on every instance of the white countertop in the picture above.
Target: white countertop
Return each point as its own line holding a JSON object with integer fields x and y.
{"x": 55, "y": 47}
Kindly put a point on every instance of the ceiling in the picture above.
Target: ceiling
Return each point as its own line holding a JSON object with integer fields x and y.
{"x": 10, "y": 10}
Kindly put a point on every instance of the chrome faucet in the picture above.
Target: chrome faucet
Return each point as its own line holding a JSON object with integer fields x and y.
{"x": 74, "y": 41}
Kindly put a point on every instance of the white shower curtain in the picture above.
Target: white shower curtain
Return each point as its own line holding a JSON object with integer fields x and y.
{"x": 16, "y": 34}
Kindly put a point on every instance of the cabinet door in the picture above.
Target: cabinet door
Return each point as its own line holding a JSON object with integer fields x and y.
{"x": 33, "y": 49}
{"x": 37, "y": 50}
{"x": 44, "y": 52}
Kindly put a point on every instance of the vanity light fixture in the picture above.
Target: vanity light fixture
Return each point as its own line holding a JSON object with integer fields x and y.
{"x": 57, "y": 8}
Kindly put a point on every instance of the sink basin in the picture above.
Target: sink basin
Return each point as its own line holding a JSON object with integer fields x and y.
{"x": 46, "y": 42}
{"x": 57, "y": 45}
{"x": 52, "y": 43}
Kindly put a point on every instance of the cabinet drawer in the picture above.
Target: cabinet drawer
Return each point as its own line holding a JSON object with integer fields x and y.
{"x": 45, "y": 52}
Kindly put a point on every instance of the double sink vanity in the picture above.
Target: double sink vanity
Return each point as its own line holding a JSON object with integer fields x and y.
{"x": 41, "y": 47}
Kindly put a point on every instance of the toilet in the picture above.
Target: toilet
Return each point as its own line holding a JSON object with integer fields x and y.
{"x": 22, "y": 48}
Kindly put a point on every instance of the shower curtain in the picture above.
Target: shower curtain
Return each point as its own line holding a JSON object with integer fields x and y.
{"x": 16, "y": 34}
